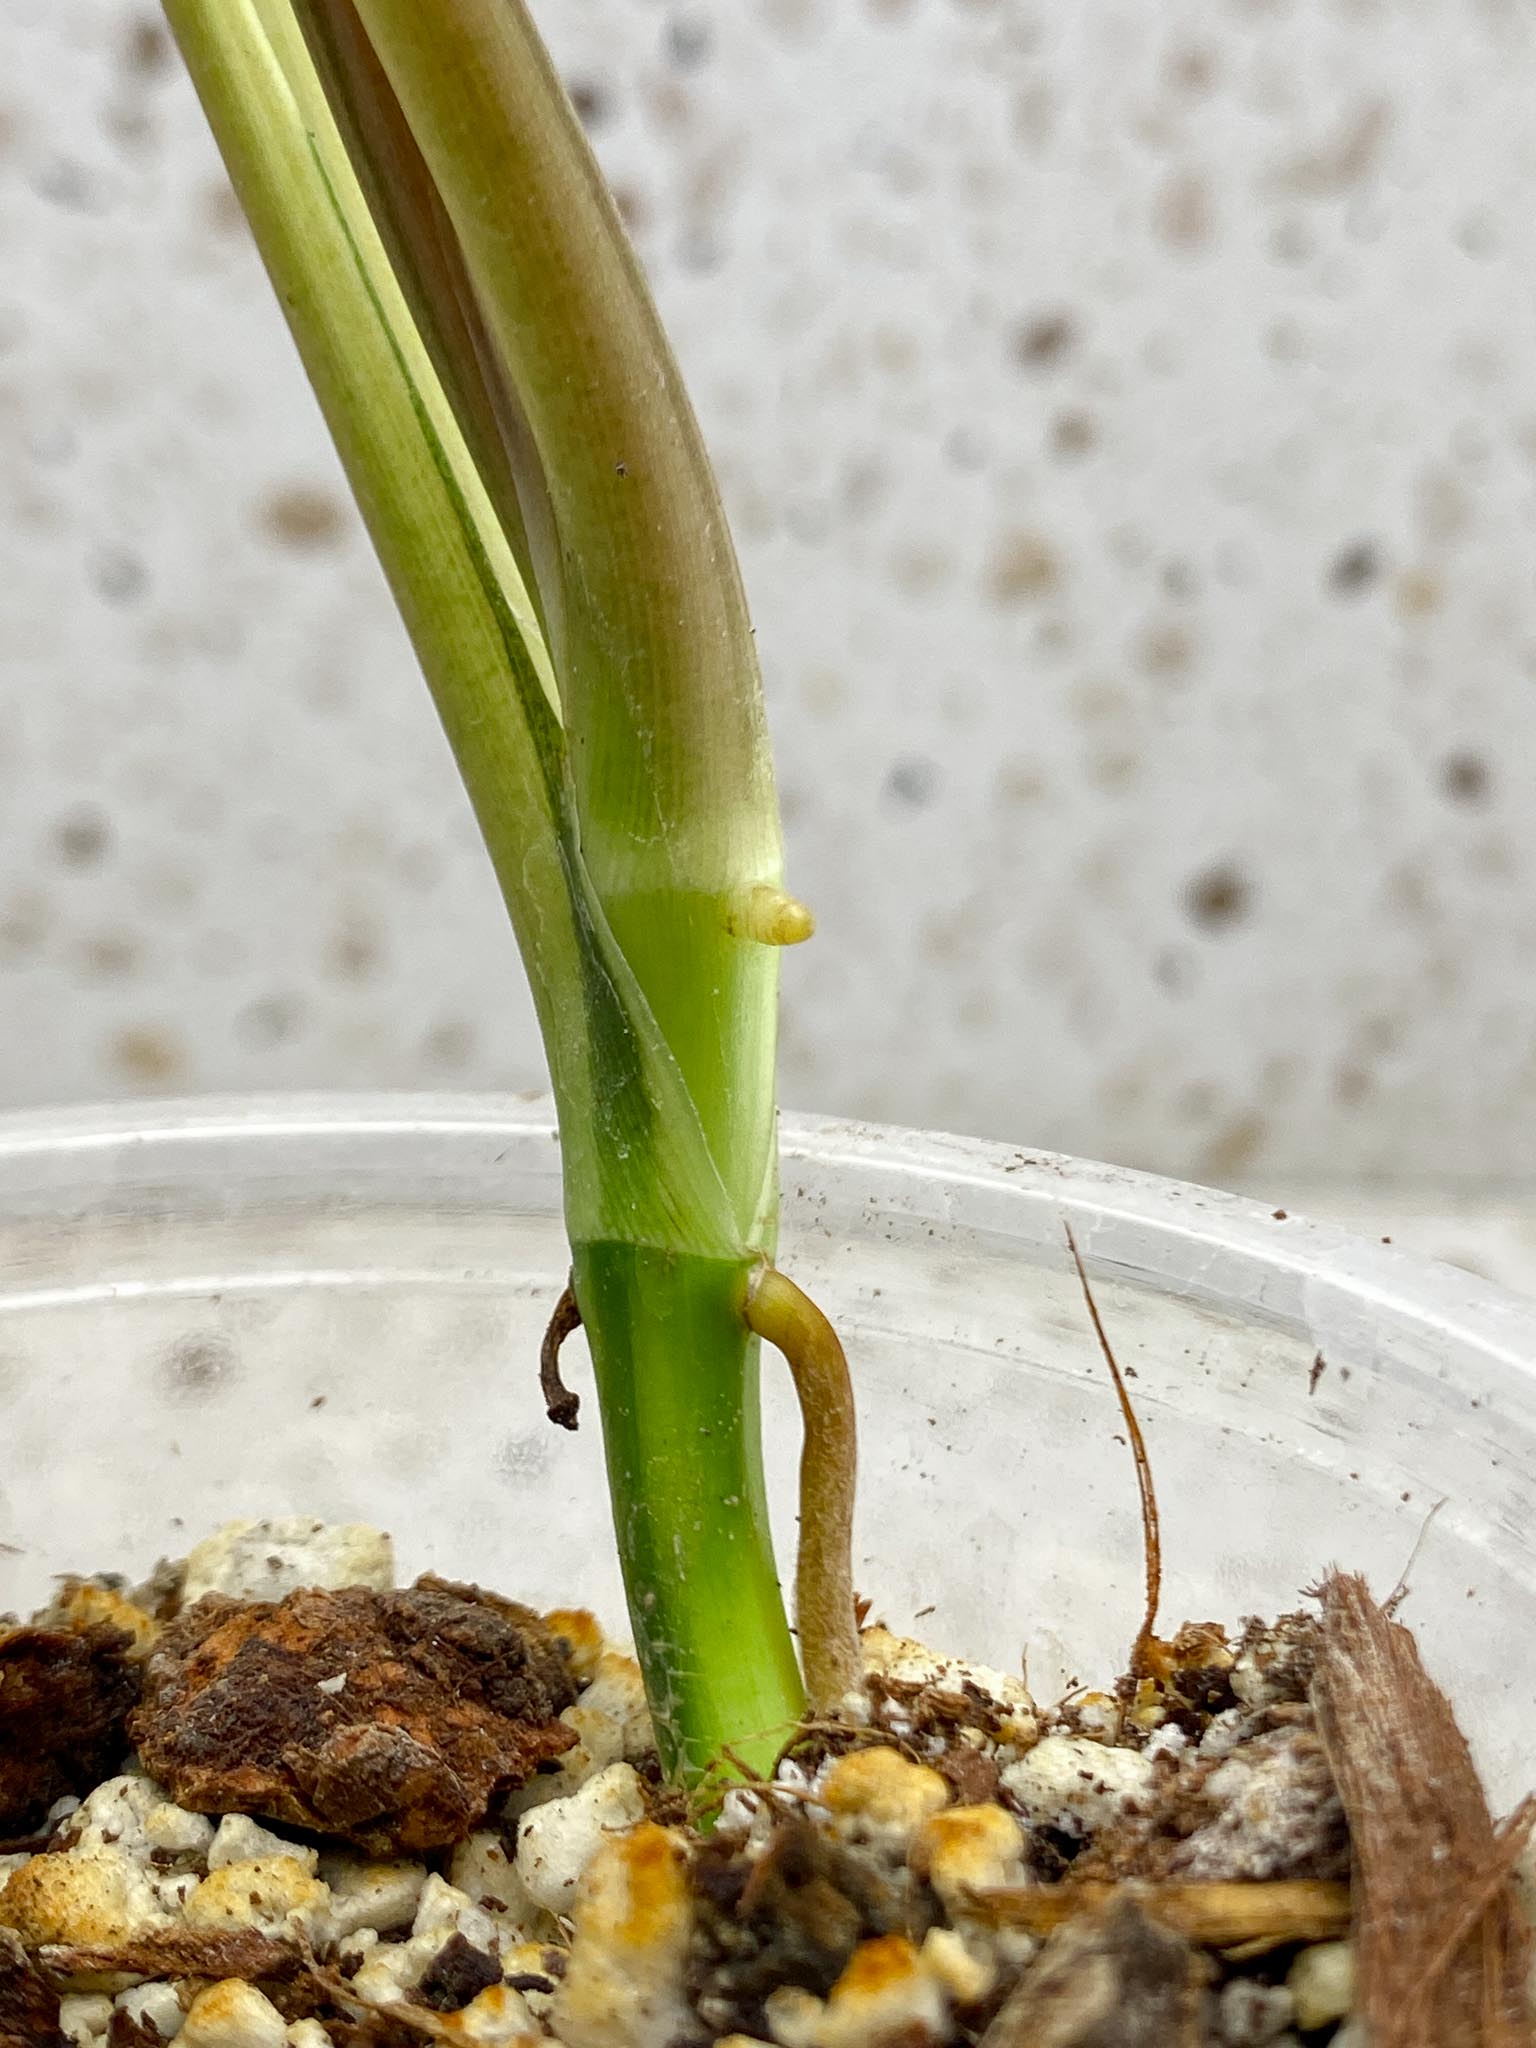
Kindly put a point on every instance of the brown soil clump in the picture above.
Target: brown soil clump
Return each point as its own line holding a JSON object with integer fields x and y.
{"x": 64, "y": 1697}
{"x": 1112, "y": 1979}
{"x": 794, "y": 1915}
{"x": 391, "y": 1719}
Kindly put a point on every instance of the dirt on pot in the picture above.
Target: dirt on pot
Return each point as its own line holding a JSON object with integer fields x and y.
{"x": 361, "y": 1816}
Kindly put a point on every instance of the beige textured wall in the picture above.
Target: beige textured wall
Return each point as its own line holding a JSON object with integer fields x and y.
{"x": 1128, "y": 413}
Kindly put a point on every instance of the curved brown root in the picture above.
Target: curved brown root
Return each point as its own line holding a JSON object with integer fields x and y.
{"x": 824, "y": 1598}
{"x": 561, "y": 1405}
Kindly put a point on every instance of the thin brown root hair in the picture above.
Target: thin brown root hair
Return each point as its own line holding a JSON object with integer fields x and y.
{"x": 1401, "y": 1590}
{"x": 869, "y": 1737}
{"x": 707, "y": 1797}
{"x": 1151, "y": 1535}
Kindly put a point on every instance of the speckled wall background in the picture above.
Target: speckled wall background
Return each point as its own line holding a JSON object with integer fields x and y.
{"x": 1128, "y": 414}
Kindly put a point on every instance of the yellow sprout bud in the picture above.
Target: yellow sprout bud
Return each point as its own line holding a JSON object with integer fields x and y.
{"x": 770, "y": 917}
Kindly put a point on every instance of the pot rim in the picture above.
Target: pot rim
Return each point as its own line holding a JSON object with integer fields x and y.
{"x": 1208, "y": 1244}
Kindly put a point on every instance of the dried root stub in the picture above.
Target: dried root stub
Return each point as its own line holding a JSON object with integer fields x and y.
{"x": 1442, "y": 1945}
{"x": 391, "y": 1719}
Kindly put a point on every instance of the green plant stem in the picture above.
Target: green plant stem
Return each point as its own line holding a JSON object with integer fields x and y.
{"x": 677, "y": 1376}
{"x": 450, "y": 262}
{"x": 668, "y": 755}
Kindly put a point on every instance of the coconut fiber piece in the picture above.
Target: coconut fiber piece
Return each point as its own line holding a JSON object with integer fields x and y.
{"x": 1442, "y": 1944}
{"x": 29, "y": 2005}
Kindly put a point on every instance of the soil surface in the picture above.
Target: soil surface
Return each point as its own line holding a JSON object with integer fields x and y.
{"x": 361, "y": 1816}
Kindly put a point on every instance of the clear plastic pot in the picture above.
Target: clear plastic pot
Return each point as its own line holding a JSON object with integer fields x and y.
{"x": 332, "y": 1306}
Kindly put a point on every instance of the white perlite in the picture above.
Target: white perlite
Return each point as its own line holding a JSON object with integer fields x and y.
{"x": 611, "y": 1722}
{"x": 1322, "y": 1984}
{"x": 624, "y": 1982}
{"x": 233, "y": 2014}
{"x": 556, "y": 1841}
{"x": 1253, "y": 2015}
{"x": 1076, "y": 1785}
{"x": 155, "y": 2005}
{"x": 879, "y": 1796}
{"x": 170, "y": 1830}
{"x": 482, "y": 1869}
{"x": 392, "y": 1969}
{"x": 902, "y": 1660}
{"x": 269, "y": 1560}
{"x": 380, "y": 1897}
{"x": 114, "y": 1815}
{"x": 274, "y": 1894}
{"x": 242, "y": 1840}
{"x": 84, "y": 2018}
{"x": 891, "y": 1990}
